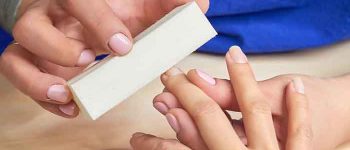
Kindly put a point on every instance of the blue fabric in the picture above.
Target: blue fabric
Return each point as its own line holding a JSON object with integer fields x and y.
{"x": 265, "y": 26}
{"x": 5, "y": 39}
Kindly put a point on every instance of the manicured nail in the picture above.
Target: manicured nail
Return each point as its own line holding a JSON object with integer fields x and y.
{"x": 138, "y": 134}
{"x": 120, "y": 44}
{"x": 173, "y": 122}
{"x": 57, "y": 93}
{"x": 161, "y": 107}
{"x": 206, "y": 77}
{"x": 173, "y": 71}
{"x": 299, "y": 85}
{"x": 68, "y": 109}
{"x": 237, "y": 55}
{"x": 86, "y": 57}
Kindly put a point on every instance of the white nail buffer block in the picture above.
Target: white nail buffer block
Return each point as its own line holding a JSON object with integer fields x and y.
{"x": 157, "y": 49}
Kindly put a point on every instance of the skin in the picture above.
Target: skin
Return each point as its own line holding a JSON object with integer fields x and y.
{"x": 328, "y": 98}
{"x": 24, "y": 69}
{"x": 53, "y": 34}
{"x": 212, "y": 129}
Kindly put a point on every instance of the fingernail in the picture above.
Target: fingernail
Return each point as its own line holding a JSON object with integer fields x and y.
{"x": 244, "y": 140}
{"x": 206, "y": 77}
{"x": 86, "y": 57}
{"x": 237, "y": 55}
{"x": 120, "y": 44}
{"x": 68, "y": 109}
{"x": 161, "y": 107}
{"x": 173, "y": 71}
{"x": 138, "y": 134}
{"x": 299, "y": 85}
{"x": 173, "y": 122}
{"x": 57, "y": 93}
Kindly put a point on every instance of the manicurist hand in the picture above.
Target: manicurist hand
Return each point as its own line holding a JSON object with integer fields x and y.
{"x": 59, "y": 38}
{"x": 200, "y": 123}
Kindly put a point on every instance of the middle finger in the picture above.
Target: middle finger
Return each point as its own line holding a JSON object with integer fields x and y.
{"x": 256, "y": 111}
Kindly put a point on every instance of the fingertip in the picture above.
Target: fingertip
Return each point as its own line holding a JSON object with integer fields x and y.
{"x": 135, "y": 137}
{"x": 188, "y": 133}
{"x": 164, "y": 78}
{"x": 201, "y": 78}
{"x": 236, "y": 55}
{"x": 295, "y": 88}
{"x": 298, "y": 85}
{"x": 174, "y": 71}
{"x": 120, "y": 44}
{"x": 86, "y": 57}
{"x": 184, "y": 120}
{"x": 70, "y": 110}
{"x": 161, "y": 107}
{"x": 58, "y": 93}
{"x": 138, "y": 134}
{"x": 168, "y": 99}
{"x": 55, "y": 109}
{"x": 204, "y": 5}
{"x": 173, "y": 122}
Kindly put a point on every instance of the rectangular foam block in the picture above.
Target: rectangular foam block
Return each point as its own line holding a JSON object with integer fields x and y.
{"x": 164, "y": 44}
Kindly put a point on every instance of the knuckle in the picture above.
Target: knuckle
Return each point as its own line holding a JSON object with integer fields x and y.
{"x": 24, "y": 23}
{"x": 304, "y": 133}
{"x": 18, "y": 28}
{"x": 205, "y": 108}
{"x": 258, "y": 107}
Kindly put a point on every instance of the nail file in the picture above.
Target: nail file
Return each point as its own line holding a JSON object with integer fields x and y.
{"x": 112, "y": 80}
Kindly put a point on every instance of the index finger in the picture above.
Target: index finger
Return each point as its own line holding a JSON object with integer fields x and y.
{"x": 99, "y": 19}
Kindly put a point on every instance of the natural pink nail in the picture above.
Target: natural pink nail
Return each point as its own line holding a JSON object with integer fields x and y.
{"x": 138, "y": 134}
{"x": 237, "y": 55}
{"x": 68, "y": 109}
{"x": 57, "y": 93}
{"x": 161, "y": 107}
{"x": 206, "y": 77}
{"x": 86, "y": 57}
{"x": 299, "y": 85}
{"x": 173, "y": 122}
{"x": 120, "y": 44}
{"x": 173, "y": 71}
